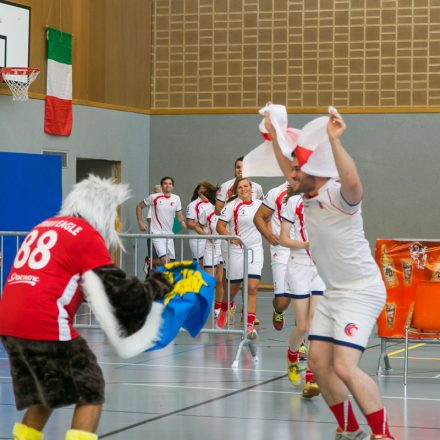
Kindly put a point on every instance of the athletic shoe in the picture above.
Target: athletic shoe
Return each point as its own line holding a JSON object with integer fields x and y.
{"x": 310, "y": 390}
{"x": 302, "y": 352}
{"x": 216, "y": 313}
{"x": 251, "y": 332}
{"x": 357, "y": 435}
{"x": 222, "y": 319}
{"x": 379, "y": 436}
{"x": 294, "y": 373}
{"x": 278, "y": 320}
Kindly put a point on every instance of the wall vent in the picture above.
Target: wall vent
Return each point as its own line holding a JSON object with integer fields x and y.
{"x": 62, "y": 154}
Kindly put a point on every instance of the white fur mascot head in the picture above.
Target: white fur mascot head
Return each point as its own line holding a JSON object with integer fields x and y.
{"x": 95, "y": 200}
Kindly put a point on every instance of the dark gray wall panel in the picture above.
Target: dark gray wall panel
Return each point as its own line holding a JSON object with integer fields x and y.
{"x": 397, "y": 155}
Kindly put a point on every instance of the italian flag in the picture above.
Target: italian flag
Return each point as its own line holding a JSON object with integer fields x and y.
{"x": 58, "y": 114}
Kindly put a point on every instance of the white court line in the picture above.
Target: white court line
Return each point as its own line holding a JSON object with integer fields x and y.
{"x": 256, "y": 390}
{"x": 156, "y": 385}
{"x": 192, "y": 367}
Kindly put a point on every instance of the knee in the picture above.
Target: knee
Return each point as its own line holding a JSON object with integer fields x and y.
{"x": 281, "y": 303}
{"x": 343, "y": 369}
{"x": 302, "y": 325}
{"x": 252, "y": 292}
{"x": 315, "y": 362}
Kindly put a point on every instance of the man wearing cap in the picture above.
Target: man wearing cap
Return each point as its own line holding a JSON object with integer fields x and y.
{"x": 356, "y": 294}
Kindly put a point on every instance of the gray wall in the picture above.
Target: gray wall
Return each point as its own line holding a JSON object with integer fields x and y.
{"x": 397, "y": 155}
{"x": 96, "y": 134}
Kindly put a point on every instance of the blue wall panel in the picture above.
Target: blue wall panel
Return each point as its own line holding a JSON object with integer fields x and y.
{"x": 30, "y": 191}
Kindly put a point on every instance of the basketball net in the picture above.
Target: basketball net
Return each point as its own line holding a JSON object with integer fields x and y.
{"x": 18, "y": 80}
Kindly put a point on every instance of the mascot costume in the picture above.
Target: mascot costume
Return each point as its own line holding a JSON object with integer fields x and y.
{"x": 61, "y": 262}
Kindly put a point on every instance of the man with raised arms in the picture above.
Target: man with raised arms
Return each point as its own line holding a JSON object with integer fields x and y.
{"x": 355, "y": 292}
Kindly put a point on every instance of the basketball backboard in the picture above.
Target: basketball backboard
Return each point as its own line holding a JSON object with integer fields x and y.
{"x": 14, "y": 34}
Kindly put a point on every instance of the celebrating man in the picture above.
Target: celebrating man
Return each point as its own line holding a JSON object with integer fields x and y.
{"x": 345, "y": 317}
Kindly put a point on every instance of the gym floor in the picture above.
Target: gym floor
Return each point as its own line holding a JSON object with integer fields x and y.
{"x": 189, "y": 391}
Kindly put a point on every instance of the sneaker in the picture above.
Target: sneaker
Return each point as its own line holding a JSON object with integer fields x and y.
{"x": 294, "y": 373}
{"x": 251, "y": 332}
{"x": 311, "y": 389}
{"x": 357, "y": 435}
{"x": 379, "y": 436}
{"x": 302, "y": 352}
{"x": 278, "y": 320}
{"x": 222, "y": 319}
{"x": 216, "y": 313}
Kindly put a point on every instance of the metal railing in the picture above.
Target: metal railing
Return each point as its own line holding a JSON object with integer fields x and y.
{"x": 129, "y": 261}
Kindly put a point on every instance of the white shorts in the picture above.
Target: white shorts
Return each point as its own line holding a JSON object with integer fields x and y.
{"x": 303, "y": 281}
{"x": 234, "y": 268}
{"x": 164, "y": 247}
{"x": 213, "y": 254}
{"x": 197, "y": 248}
{"x": 347, "y": 317}
{"x": 279, "y": 256}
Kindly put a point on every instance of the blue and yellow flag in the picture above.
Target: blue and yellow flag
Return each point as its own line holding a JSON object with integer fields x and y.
{"x": 189, "y": 303}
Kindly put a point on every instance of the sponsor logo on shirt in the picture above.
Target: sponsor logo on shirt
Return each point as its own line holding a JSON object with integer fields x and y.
{"x": 351, "y": 329}
{"x": 23, "y": 279}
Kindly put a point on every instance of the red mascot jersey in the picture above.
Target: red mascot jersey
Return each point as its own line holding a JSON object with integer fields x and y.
{"x": 42, "y": 292}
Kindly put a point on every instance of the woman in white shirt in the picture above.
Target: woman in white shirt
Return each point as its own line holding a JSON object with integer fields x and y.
{"x": 199, "y": 202}
{"x": 212, "y": 260}
{"x": 237, "y": 218}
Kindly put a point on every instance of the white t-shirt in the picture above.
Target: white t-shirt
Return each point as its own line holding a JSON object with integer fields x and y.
{"x": 337, "y": 241}
{"x": 194, "y": 210}
{"x": 239, "y": 216}
{"x": 293, "y": 212}
{"x": 275, "y": 199}
{"x": 208, "y": 220}
{"x": 163, "y": 211}
{"x": 225, "y": 191}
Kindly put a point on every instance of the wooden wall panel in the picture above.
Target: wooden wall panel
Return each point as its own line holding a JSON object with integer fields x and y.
{"x": 363, "y": 55}
{"x": 111, "y": 48}
{"x": 96, "y": 51}
{"x": 125, "y": 58}
{"x": 81, "y": 49}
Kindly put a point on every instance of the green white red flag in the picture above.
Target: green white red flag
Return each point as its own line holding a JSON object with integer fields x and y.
{"x": 58, "y": 113}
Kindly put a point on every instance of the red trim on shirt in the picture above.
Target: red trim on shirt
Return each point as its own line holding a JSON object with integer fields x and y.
{"x": 299, "y": 211}
{"x": 236, "y": 209}
{"x": 155, "y": 207}
{"x": 339, "y": 209}
{"x": 197, "y": 208}
{"x": 209, "y": 220}
{"x": 279, "y": 202}
{"x": 229, "y": 192}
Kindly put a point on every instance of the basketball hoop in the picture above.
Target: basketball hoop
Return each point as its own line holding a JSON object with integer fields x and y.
{"x": 18, "y": 80}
